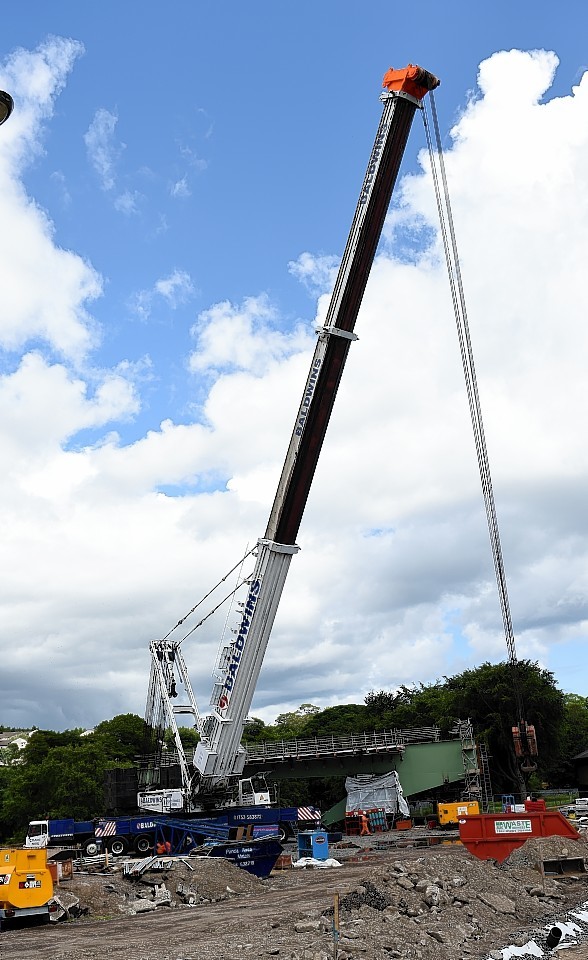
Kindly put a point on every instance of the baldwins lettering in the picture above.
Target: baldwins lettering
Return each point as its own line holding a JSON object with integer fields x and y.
{"x": 240, "y": 641}
{"x": 374, "y": 160}
{"x": 308, "y": 395}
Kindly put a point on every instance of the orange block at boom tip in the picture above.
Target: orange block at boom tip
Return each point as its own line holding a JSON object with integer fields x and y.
{"x": 412, "y": 80}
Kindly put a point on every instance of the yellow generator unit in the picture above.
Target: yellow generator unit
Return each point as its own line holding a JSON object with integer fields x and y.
{"x": 449, "y": 814}
{"x": 26, "y": 885}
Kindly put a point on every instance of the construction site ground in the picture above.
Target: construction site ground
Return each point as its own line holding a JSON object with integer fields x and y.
{"x": 398, "y": 898}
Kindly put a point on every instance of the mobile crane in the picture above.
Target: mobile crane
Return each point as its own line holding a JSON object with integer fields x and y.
{"x": 212, "y": 780}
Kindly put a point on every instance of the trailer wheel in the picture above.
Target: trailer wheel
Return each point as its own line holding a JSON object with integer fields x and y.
{"x": 91, "y": 848}
{"x": 143, "y": 844}
{"x": 118, "y": 846}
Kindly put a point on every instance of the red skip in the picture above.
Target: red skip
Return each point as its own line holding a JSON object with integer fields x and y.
{"x": 494, "y": 836}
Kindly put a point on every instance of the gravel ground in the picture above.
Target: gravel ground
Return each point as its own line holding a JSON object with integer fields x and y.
{"x": 434, "y": 903}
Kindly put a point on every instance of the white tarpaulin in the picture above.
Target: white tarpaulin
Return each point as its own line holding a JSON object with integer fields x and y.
{"x": 385, "y": 793}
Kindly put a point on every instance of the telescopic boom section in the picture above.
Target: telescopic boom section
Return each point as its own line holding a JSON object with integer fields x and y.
{"x": 404, "y": 90}
{"x": 219, "y": 753}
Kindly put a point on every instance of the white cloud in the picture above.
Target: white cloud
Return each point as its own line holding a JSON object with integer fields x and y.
{"x": 34, "y": 78}
{"x": 180, "y": 188}
{"x": 242, "y": 338}
{"x": 316, "y": 273}
{"x": 45, "y": 289}
{"x": 175, "y": 290}
{"x": 103, "y": 150}
{"x": 127, "y": 202}
{"x": 394, "y": 583}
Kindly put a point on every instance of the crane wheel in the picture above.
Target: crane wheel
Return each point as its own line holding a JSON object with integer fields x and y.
{"x": 118, "y": 846}
{"x": 143, "y": 844}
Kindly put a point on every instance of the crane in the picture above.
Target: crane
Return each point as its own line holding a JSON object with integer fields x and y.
{"x": 219, "y": 757}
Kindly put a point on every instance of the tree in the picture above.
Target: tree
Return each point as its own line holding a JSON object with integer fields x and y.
{"x": 291, "y": 725}
{"x": 486, "y": 696}
{"x": 62, "y": 774}
{"x": 120, "y": 738}
{"x": 337, "y": 721}
{"x": 574, "y": 739}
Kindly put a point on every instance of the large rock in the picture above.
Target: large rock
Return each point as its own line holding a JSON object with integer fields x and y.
{"x": 498, "y": 902}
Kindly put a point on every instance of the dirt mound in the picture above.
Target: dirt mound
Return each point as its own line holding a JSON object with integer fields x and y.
{"x": 538, "y": 849}
{"x": 442, "y": 905}
{"x": 196, "y": 880}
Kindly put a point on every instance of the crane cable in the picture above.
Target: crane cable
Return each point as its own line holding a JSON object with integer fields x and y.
{"x": 467, "y": 357}
{"x": 207, "y": 595}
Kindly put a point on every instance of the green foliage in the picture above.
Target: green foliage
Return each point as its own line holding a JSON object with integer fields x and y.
{"x": 337, "y": 721}
{"x": 574, "y": 739}
{"x": 255, "y": 731}
{"x": 486, "y": 696}
{"x": 291, "y": 725}
{"x": 62, "y": 774}
{"x": 120, "y": 738}
{"x": 9, "y": 755}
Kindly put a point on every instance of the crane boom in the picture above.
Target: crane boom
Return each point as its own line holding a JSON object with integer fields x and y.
{"x": 219, "y": 753}
{"x": 404, "y": 90}
{"x": 219, "y": 757}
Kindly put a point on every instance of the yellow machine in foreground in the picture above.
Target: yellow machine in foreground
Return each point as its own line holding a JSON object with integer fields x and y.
{"x": 449, "y": 814}
{"x": 26, "y": 885}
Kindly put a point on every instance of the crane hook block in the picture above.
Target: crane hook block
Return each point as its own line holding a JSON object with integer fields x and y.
{"x": 412, "y": 80}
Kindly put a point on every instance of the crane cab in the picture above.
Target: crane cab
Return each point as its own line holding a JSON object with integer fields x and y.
{"x": 254, "y": 792}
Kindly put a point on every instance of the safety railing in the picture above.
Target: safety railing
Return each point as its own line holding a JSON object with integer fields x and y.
{"x": 355, "y": 743}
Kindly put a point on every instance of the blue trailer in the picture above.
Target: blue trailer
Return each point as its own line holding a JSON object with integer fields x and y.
{"x": 126, "y": 835}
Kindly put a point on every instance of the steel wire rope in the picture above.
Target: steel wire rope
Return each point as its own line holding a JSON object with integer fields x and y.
{"x": 214, "y": 609}
{"x": 467, "y": 356}
{"x": 206, "y": 595}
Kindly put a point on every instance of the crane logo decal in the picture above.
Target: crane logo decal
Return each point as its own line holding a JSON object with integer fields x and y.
{"x": 308, "y": 395}
{"x": 373, "y": 164}
{"x": 240, "y": 643}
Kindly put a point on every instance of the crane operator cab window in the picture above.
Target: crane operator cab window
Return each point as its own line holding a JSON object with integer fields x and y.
{"x": 254, "y": 792}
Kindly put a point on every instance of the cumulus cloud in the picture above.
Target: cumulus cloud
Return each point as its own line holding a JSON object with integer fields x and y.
{"x": 45, "y": 289}
{"x": 242, "y": 337}
{"x": 316, "y": 273}
{"x": 174, "y": 290}
{"x": 394, "y": 582}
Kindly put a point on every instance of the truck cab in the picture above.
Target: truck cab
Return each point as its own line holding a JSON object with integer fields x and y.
{"x": 37, "y": 834}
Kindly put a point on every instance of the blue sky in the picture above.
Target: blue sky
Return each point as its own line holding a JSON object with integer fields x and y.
{"x": 177, "y": 190}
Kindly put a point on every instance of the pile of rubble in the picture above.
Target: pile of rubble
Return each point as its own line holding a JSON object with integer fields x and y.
{"x": 443, "y": 905}
{"x": 189, "y": 881}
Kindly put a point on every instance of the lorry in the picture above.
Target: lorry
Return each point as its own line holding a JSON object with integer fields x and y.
{"x": 211, "y": 777}
{"x": 121, "y": 835}
{"x": 26, "y": 886}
